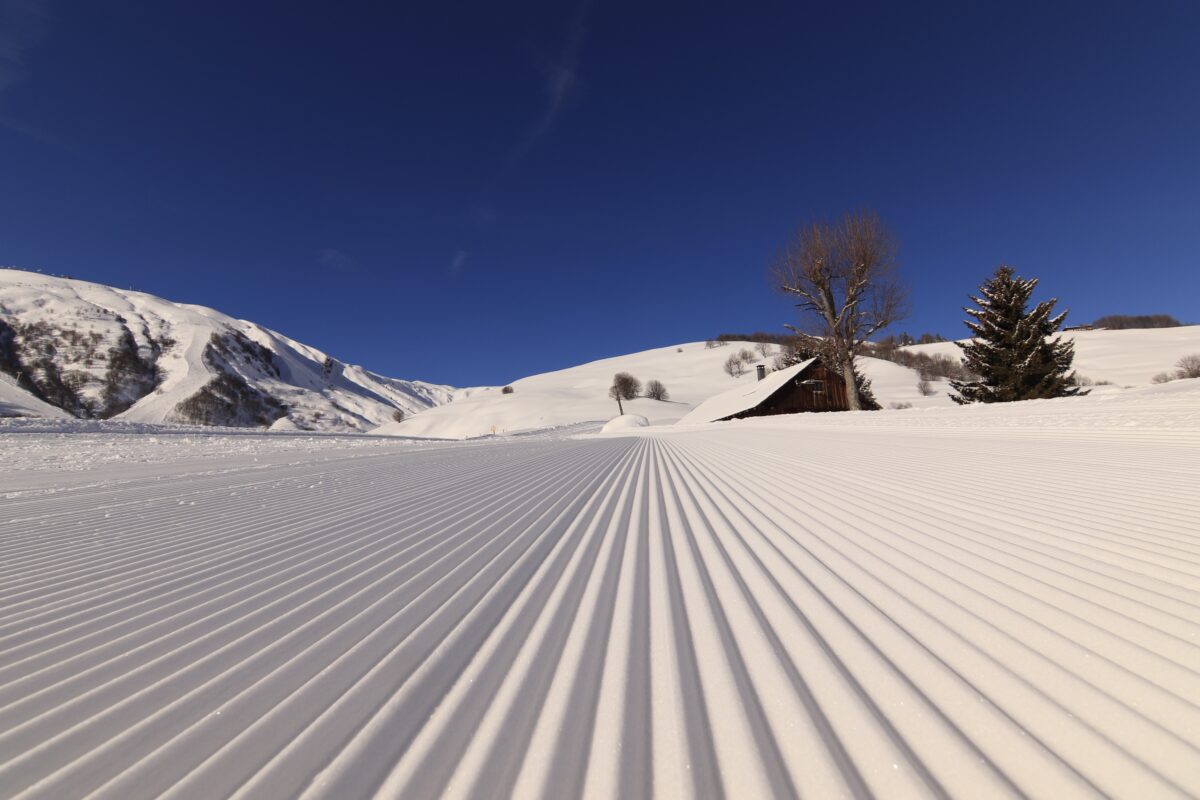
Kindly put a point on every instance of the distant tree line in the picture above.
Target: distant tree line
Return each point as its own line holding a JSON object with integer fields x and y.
{"x": 899, "y": 340}
{"x": 1120, "y": 322}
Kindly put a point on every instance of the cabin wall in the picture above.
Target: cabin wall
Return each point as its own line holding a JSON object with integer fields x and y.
{"x": 795, "y": 398}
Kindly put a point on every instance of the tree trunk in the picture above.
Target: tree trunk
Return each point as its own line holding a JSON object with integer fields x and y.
{"x": 619, "y": 407}
{"x": 851, "y": 386}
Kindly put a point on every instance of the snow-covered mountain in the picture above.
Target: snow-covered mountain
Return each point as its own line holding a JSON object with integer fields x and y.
{"x": 94, "y": 351}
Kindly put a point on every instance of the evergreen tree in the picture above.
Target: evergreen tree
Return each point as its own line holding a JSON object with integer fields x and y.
{"x": 1012, "y": 353}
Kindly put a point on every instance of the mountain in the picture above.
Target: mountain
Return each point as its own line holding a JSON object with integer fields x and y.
{"x": 691, "y": 372}
{"x": 94, "y": 351}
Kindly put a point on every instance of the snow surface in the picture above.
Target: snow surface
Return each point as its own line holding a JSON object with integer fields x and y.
{"x": 339, "y": 396}
{"x": 692, "y": 374}
{"x": 625, "y": 422}
{"x": 998, "y": 601}
{"x": 1125, "y": 358}
{"x": 16, "y": 402}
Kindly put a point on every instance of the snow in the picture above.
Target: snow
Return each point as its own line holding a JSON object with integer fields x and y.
{"x": 579, "y": 395}
{"x": 625, "y": 422}
{"x": 968, "y": 602}
{"x": 743, "y": 398}
{"x": 1126, "y": 357}
{"x": 16, "y": 402}
{"x": 341, "y": 397}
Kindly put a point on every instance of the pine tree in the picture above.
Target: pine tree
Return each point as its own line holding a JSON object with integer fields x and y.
{"x": 1012, "y": 352}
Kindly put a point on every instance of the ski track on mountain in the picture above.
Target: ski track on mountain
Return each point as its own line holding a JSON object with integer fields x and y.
{"x": 735, "y": 612}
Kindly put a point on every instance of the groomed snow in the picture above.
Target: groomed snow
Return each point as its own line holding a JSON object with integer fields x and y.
{"x": 996, "y": 601}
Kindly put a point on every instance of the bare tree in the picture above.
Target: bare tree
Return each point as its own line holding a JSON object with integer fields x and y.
{"x": 629, "y": 386}
{"x": 655, "y": 390}
{"x": 734, "y": 366}
{"x": 844, "y": 275}
{"x": 614, "y": 392}
{"x": 764, "y": 349}
{"x": 746, "y": 356}
{"x": 624, "y": 387}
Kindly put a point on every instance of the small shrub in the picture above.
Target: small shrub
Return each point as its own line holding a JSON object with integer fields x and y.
{"x": 746, "y": 356}
{"x": 397, "y": 415}
{"x": 678, "y": 349}
{"x": 899, "y": 406}
{"x": 926, "y": 388}
{"x": 1161, "y": 377}
{"x": 506, "y": 390}
{"x": 734, "y": 367}
{"x": 1188, "y": 366}
{"x": 1083, "y": 380}
{"x": 655, "y": 390}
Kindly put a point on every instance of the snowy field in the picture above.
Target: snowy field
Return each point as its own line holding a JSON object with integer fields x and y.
{"x": 967, "y": 602}
{"x": 693, "y": 373}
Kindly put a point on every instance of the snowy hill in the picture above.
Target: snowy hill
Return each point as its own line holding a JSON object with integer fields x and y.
{"x": 16, "y": 402}
{"x": 1125, "y": 357}
{"x": 94, "y": 351}
{"x": 692, "y": 374}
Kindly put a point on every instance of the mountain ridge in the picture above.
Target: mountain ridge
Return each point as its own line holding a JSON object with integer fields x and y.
{"x": 98, "y": 352}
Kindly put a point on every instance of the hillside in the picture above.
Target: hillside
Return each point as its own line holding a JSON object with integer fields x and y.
{"x": 1123, "y": 357}
{"x": 94, "y": 351}
{"x": 691, "y": 372}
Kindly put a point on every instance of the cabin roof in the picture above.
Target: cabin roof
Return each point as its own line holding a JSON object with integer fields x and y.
{"x": 743, "y": 397}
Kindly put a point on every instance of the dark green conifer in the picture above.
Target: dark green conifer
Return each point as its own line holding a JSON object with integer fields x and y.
{"x": 1012, "y": 353}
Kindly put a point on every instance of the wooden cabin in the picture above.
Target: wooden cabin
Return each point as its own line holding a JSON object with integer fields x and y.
{"x": 807, "y": 386}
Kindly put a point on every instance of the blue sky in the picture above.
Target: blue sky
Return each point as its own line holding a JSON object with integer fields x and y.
{"x": 472, "y": 192}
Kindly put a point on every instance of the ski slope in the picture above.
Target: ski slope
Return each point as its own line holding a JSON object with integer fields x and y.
{"x": 999, "y": 601}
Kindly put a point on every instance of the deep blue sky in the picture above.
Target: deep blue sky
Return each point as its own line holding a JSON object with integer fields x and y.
{"x": 472, "y": 192}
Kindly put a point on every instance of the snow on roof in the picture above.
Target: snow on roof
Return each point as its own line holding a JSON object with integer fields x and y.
{"x": 743, "y": 398}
